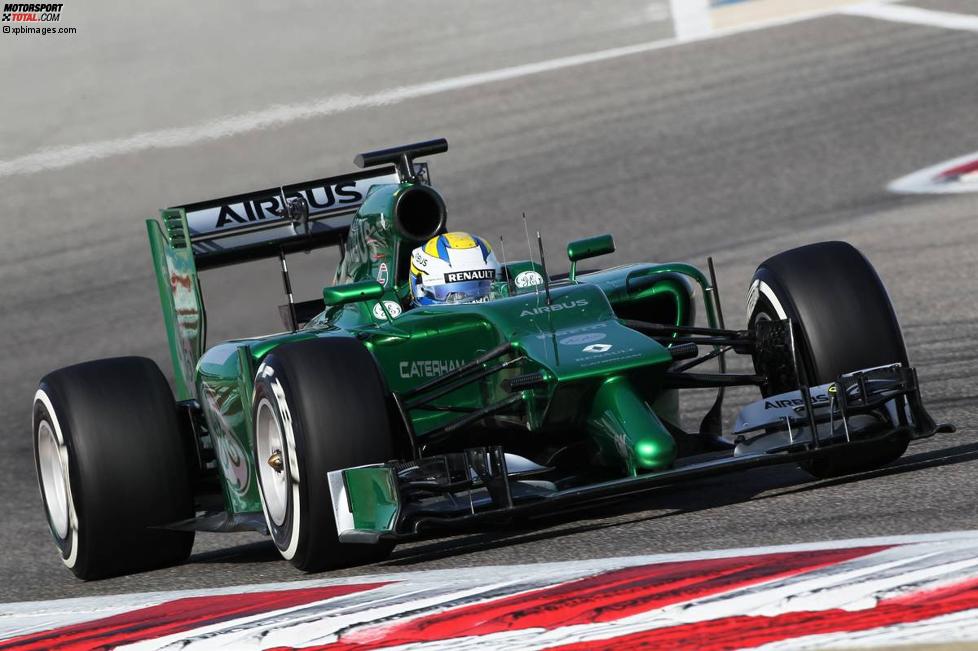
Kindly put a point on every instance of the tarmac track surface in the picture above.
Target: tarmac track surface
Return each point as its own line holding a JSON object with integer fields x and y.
{"x": 737, "y": 147}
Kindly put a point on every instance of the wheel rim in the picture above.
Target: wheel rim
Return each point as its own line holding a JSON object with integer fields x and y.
{"x": 54, "y": 479}
{"x": 271, "y": 461}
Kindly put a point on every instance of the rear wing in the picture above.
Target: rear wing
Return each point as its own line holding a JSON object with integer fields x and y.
{"x": 262, "y": 224}
{"x": 231, "y": 230}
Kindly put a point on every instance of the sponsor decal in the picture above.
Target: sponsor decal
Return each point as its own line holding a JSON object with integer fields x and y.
{"x": 428, "y": 368}
{"x": 556, "y": 307}
{"x": 586, "y": 338}
{"x": 324, "y": 197}
{"x": 777, "y": 407}
{"x": 477, "y": 274}
{"x": 597, "y": 359}
{"x": 231, "y": 456}
{"x": 528, "y": 279}
{"x": 573, "y": 331}
{"x": 319, "y": 198}
{"x": 382, "y": 274}
{"x": 599, "y": 354}
{"x": 817, "y": 398}
{"x": 394, "y": 309}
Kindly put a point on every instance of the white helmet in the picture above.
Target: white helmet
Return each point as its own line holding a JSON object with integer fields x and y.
{"x": 452, "y": 268}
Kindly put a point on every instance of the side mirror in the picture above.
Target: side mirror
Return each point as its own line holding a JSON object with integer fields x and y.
{"x": 365, "y": 290}
{"x": 590, "y": 247}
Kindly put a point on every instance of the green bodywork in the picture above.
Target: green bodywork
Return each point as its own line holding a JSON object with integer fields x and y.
{"x": 603, "y": 380}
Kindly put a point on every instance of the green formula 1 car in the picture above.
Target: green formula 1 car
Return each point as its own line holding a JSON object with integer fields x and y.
{"x": 372, "y": 420}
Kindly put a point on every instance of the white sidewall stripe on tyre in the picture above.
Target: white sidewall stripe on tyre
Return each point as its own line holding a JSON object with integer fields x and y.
{"x": 761, "y": 287}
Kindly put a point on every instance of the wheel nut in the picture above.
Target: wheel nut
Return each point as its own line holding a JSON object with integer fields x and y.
{"x": 275, "y": 461}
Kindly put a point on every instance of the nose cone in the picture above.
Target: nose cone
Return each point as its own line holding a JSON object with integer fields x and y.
{"x": 627, "y": 431}
{"x": 654, "y": 453}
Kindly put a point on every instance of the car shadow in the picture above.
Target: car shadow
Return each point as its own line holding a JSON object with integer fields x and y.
{"x": 263, "y": 551}
{"x": 661, "y": 503}
{"x": 668, "y": 502}
{"x": 907, "y": 463}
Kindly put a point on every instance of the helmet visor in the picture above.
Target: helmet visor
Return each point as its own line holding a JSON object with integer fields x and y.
{"x": 460, "y": 292}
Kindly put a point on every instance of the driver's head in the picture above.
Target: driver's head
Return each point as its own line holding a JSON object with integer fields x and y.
{"x": 452, "y": 268}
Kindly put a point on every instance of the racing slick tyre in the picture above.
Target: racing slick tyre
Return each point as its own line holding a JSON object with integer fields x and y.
{"x": 112, "y": 467}
{"x": 320, "y": 405}
{"x": 843, "y": 322}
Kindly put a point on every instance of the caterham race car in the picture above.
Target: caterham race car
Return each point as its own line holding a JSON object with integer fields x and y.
{"x": 375, "y": 418}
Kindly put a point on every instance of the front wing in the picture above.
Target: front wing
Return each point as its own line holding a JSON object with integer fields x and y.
{"x": 427, "y": 496}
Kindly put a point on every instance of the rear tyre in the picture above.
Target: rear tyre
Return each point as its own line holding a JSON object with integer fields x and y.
{"x": 111, "y": 467}
{"x": 843, "y": 322}
{"x": 320, "y": 405}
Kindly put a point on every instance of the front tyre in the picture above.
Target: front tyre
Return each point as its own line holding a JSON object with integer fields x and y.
{"x": 319, "y": 405}
{"x": 112, "y": 467}
{"x": 843, "y": 321}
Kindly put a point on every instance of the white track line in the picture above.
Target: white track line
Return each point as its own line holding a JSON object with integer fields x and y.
{"x": 914, "y": 16}
{"x": 690, "y": 18}
{"x": 280, "y": 115}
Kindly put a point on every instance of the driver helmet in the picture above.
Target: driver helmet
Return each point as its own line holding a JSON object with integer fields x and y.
{"x": 452, "y": 268}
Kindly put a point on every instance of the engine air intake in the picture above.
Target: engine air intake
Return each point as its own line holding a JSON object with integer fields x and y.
{"x": 419, "y": 213}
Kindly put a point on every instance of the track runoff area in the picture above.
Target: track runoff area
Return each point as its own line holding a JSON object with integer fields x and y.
{"x": 865, "y": 593}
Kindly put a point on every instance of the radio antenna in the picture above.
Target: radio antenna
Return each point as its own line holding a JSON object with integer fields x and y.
{"x": 293, "y": 319}
{"x": 543, "y": 267}
{"x": 529, "y": 248}
{"x": 506, "y": 274}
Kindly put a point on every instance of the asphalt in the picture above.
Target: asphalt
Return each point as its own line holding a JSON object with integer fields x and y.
{"x": 737, "y": 147}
